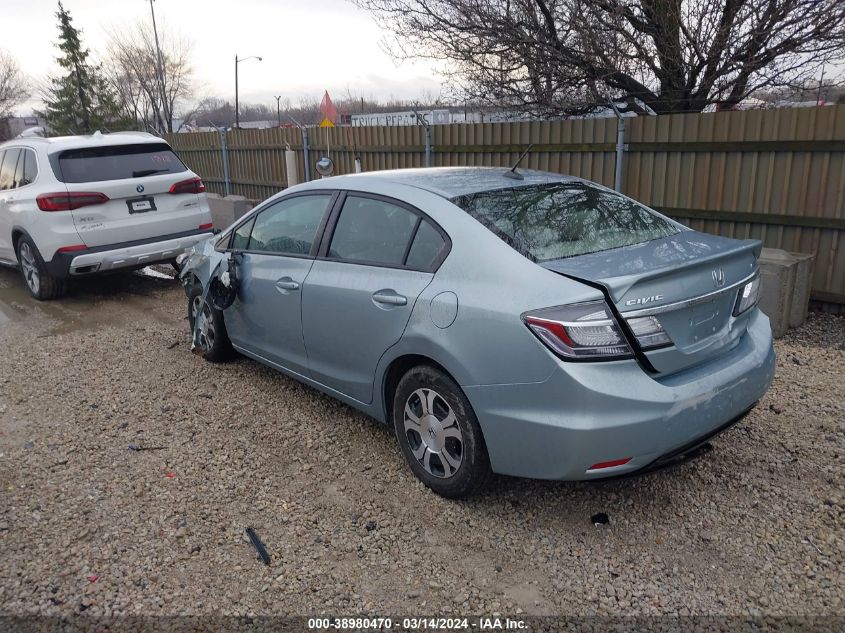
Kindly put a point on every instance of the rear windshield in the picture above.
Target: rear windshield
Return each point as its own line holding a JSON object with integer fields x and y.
{"x": 117, "y": 162}
{"x": 553, "y": 221}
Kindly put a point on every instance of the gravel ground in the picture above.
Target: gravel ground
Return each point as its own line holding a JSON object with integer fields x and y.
{"x": 756, "y": 526}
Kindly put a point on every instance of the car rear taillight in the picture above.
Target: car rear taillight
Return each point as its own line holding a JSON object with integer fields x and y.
{"x": 581, "y": 331}
{"x": 65, "y": 201}
{"x": 649, "y": 332}
{"x": 748, "y": 296}
{"x": 193, "y": 185}
{"x": 207, "y": 226}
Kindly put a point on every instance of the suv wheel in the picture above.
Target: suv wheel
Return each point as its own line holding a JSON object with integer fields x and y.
{"x": 41, "y": 285}
{"x": 213, "y": 340}
{"x": 439, "y": 434}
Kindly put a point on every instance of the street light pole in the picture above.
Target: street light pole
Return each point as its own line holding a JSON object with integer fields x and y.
{"x": 160, "y": 69}
{"x": 279, "y": 109}
{"x": 237, "y": 109}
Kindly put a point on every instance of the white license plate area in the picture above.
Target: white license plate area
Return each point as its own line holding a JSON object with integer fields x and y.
{"x": 141, "y": 205}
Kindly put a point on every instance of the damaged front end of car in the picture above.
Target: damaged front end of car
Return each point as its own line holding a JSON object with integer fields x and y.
{"x": 212, "y": 274}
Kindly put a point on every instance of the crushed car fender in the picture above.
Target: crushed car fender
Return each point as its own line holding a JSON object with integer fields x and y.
{"x": 217, "y": 274}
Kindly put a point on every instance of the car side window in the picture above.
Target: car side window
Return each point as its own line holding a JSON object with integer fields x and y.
{"x": 30, "y": 168}
{"x": 7, "y": 169}
{"x": 426, "y": 247}
{"x": 289, "y": 226}
{"x": 241, "y": 236}
{"x": 372, "y": 231}
{"x": 18, "y": 178}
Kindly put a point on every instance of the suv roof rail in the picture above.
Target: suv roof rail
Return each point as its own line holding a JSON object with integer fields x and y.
{"x": 133, "y": 133}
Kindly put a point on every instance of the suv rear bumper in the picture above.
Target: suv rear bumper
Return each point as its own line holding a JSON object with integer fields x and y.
{"x": 127, "y": 255}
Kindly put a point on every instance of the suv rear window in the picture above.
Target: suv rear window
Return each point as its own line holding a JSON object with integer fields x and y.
{"x": 117, "y": 162}
{"x": 546, "y": 222}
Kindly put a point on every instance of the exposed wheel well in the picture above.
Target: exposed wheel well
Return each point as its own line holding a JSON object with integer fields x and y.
{"x": 16, "y": 235}
{"x": 394, "y": 374}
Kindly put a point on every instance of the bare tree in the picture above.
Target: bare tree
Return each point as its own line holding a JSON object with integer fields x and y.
{"x": 14, "y": 87}
{"x": 552, "y": 56}
{"x": 133, "y": 69}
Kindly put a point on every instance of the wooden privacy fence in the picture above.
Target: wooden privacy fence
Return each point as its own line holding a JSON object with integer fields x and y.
{"x": 775, "y": 175}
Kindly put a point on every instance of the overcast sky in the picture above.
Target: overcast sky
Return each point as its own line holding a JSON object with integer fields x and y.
{"x": 308, "y": 45}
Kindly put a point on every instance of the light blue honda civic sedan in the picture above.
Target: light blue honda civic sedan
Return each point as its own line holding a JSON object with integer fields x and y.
{"x": 522, "y": 323}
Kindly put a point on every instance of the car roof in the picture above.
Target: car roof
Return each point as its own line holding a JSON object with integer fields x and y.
{"x": 449, "y": 182}
{"x": 97, "y": 139}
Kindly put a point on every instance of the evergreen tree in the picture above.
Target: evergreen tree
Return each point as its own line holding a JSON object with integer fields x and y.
{"x": 81, "y": 100}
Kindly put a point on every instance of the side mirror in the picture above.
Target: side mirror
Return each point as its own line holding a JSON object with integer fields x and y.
{"x": 325, "y": 167}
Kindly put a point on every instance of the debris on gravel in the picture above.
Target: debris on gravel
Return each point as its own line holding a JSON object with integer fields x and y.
{"x": 756, "y": 526}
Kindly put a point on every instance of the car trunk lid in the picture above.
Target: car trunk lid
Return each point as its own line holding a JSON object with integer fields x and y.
{"x": 687, "y": 281}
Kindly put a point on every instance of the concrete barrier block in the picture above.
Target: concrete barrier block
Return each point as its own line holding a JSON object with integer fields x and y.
{"x": 803, "y": 286}
{"x": 221, "y": 212}
{"x": 240, "y": 205}
{"x": 785, "y": 288}
{"x": 225, "y": 210}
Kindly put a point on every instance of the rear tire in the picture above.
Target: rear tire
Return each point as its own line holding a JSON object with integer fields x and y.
{"x": 38, "y": 281}
{"x": 214, "y": 344}
{"x": 439, "y": 434}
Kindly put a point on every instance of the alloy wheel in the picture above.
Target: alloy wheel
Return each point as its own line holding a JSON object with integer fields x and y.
{"x": 30, "y": 268}
{"x": 433, "y": 433}
{"x": 203, "y": 322}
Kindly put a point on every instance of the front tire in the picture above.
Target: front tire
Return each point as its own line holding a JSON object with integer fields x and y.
{"x": 439, "y": 434}
{"x": 213, "y": 340}
{"x": 40, "y": 284}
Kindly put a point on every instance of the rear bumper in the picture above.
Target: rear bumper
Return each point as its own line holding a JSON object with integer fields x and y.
{"x": 103, "y": 259}
{"x": 591, "y": 413}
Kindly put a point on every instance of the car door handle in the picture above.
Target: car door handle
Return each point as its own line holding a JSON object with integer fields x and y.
{"x": 286, "y": 283}
{"x": 389, "y": 297}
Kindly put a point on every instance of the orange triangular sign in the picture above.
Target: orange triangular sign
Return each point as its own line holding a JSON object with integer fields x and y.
{"x": 326, "y": 123}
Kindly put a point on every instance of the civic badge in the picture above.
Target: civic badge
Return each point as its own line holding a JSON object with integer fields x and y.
{"x": 718, "y": 276}
{"x": 140, "y": 188}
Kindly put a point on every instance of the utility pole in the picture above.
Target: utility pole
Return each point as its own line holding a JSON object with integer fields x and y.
{"x": 279, "y": 109}
{"x": 165, "y": 125}
{"x": 821, "y": 85}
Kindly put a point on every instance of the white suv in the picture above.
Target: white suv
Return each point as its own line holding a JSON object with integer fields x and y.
{"x": 80, "y": 205}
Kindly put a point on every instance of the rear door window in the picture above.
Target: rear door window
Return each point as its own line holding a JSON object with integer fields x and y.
{"x": 30, "y": 168}
{"x": 372, "y": 231}
{"x": 19, "y": 181}
{"x": 7, "y": 169}
{"x": 546, "y": 222}
{"x": 426, "y": 247}
{"x": 117, "y": 162}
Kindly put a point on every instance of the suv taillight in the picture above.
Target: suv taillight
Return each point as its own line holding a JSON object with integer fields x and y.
{"x": 65, "y": 201}
{"x": 581, "y": 331}
{"x": 193, "y": 185}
